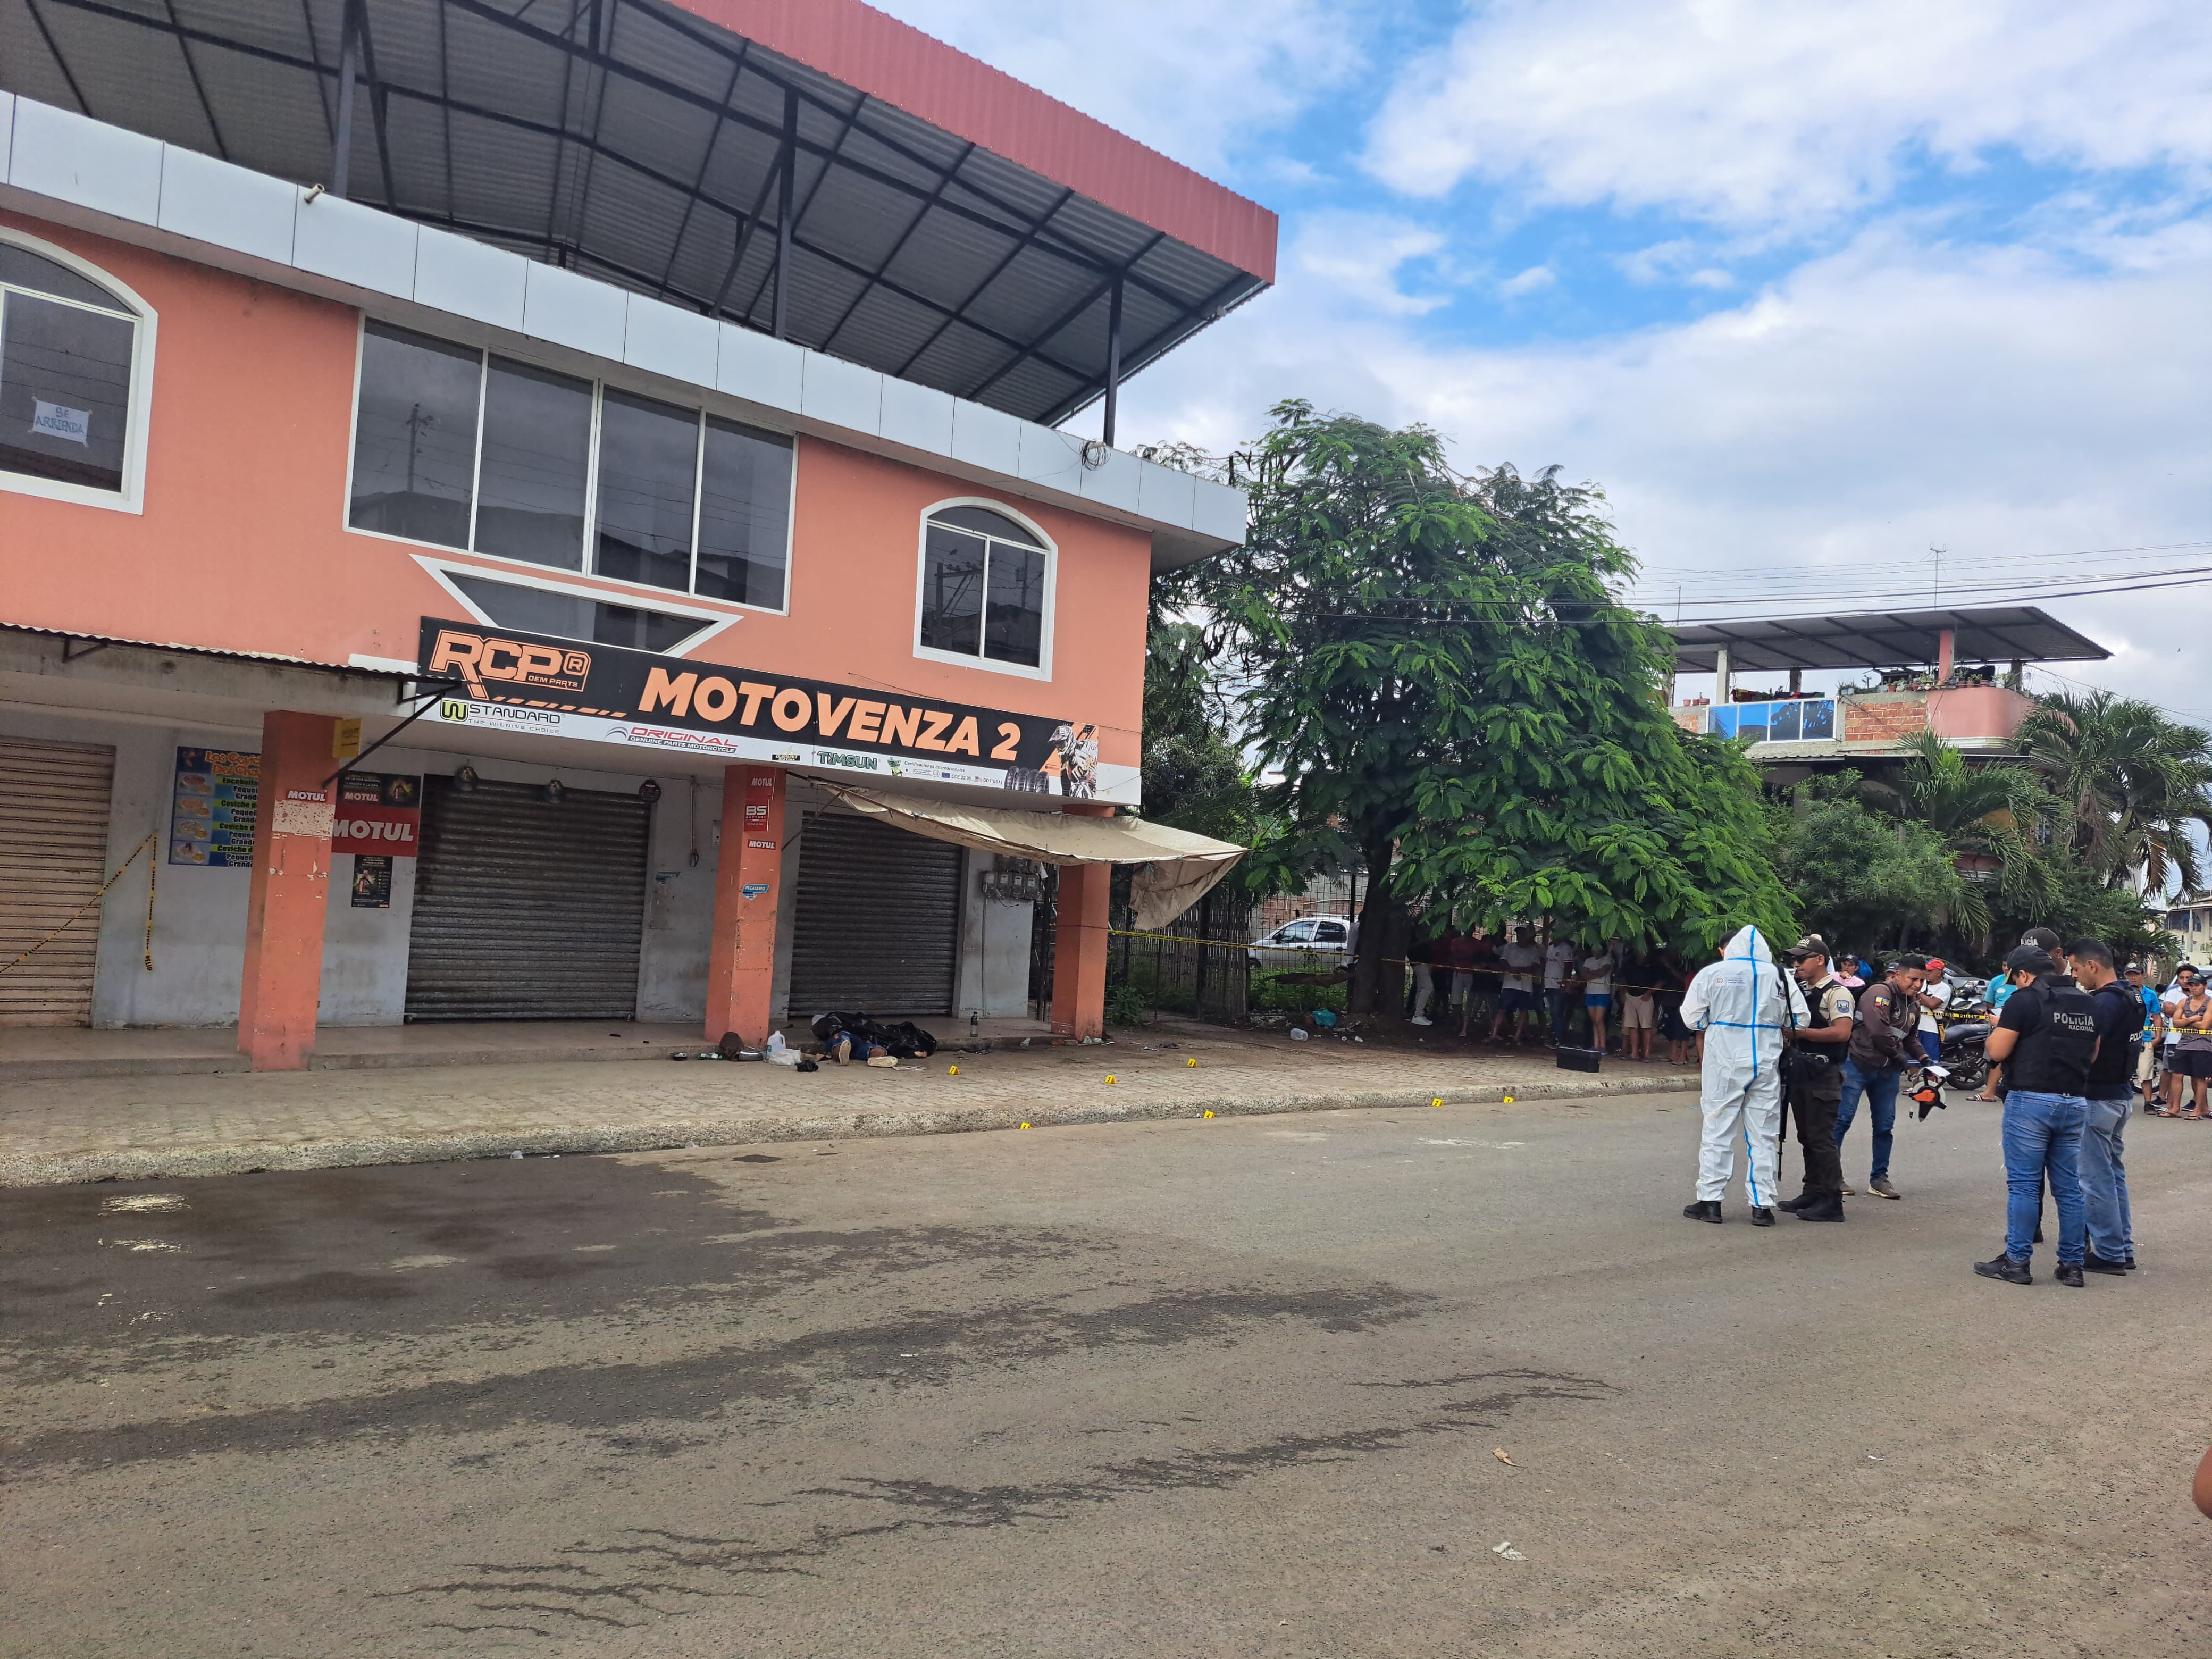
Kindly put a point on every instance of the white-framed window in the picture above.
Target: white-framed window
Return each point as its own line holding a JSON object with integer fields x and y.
{"x": 984, "y": 593}
{"x": 457, "y": 447}
{"x": 76, "y": 374}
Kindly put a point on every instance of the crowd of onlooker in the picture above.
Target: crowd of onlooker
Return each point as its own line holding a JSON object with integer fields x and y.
{"x": 1623, "y": 1001}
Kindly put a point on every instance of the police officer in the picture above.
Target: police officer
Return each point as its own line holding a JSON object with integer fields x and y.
{"x": 1813, "y": 1078}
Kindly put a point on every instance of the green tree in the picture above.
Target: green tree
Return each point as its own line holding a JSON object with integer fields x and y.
{"x": 1862, "y": 876}
{"x": 1440, "y": 668}
{"x": 2134, "y": 786}
{"x": 1194, "y": 775}
{"x": 1984, "y": 816}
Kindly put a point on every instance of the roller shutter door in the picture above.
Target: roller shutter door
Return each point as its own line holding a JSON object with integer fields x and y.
{"x": 877, "y": 927}
{"x": 53, "y": 856}
{"x": 524, "y": 909}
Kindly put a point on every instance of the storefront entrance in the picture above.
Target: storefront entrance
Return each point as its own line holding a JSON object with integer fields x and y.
{"x": 877, "y": 927}
{"x": 527, "y": 909}
{"x": 53, "y": 853}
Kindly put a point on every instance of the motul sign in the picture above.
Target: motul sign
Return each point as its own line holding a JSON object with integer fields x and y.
{"x": 377, "y": 812}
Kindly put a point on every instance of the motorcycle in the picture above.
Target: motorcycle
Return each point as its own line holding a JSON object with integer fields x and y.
{"x": 1966, "y": 1065}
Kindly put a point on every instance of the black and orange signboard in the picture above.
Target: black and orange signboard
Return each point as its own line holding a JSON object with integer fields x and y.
{"x": 509, "y": 681}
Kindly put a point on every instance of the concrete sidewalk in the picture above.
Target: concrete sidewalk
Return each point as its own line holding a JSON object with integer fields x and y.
{"x": 54, "y": 1053}
{"x": 138, "y": 1127}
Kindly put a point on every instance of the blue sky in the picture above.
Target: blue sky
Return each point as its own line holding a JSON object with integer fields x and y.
{"x": 1807, "y": 289}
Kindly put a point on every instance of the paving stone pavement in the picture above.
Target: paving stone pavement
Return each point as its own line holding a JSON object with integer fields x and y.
{"x": 137, "y": 1127}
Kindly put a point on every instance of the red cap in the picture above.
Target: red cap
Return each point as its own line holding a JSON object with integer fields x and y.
{"x": 1936, "y": 963}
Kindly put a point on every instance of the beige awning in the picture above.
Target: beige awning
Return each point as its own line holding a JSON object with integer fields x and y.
{"x": 1177, "y": 867}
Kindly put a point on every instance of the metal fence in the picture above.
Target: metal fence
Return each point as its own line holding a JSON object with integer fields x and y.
{"x": 1196, "y": 965}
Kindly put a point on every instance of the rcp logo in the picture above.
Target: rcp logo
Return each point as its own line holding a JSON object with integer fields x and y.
{"x": 476, "y": 658}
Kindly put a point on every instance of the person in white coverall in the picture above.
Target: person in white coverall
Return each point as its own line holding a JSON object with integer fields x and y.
{"x": 1743, "y": 1004}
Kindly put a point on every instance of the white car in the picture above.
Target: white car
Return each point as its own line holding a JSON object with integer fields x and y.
{"x": 1306, "y": 943}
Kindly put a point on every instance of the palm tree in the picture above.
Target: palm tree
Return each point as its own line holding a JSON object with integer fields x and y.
{"x": 2132, "y": 785}
{"x": 1986, "y": 815}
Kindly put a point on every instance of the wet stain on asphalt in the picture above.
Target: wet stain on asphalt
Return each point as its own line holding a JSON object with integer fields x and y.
{"x": 641, "y": 1575}
{"x": 571, "y": 1238}
{"x": 703, "y": 1387}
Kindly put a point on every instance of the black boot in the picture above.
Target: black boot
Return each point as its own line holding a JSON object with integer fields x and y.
{"x": 2092, "y": 1262}
{"x": 1761, "y": 1216}
{"x": 1820, "y": 1206}
{"x": 2011, "y": 1269}
{"x": 1794, "y": 1205}
{"x": 2070, "y": 1273}
{"x": 1705, "y": 1209}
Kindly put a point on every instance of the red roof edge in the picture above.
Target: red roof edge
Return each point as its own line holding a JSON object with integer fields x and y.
{"x": 876, "y": 54}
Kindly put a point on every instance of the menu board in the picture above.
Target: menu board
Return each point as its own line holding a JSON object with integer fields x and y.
{"x": 211, "y": 815}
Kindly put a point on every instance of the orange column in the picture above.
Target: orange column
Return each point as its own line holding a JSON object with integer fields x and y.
{"x": 748, "y": 875}
{"x": 290, "y": 896}
{"x": 1078, "y": 950}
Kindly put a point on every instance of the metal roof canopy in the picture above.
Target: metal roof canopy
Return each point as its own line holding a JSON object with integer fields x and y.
{"x": 668, "y": 146}
{"x": 1882, "y": 639}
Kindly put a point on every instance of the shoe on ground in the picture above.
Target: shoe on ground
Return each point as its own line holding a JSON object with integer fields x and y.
{"x": 1850, "y": 1192}
{"x": 843, "y": 1052}
{"x": 1880, "y": 1188}
{"x": 1794, "y": 1205}
{"x": 1762, "y": 1216}
{"x": 2008, "y": 1268}
{"x": 2093, "y": 1263}
{"x": 2070, "y": 1273}
{"x": 1825, "y": 1208}
{"x": 2129, "y": 1264}
{"x": 1705, "y": 1209}
{"x": 1418, "y": 1020}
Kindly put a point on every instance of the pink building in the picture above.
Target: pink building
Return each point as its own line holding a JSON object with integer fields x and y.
{"x": 475, "y": 502}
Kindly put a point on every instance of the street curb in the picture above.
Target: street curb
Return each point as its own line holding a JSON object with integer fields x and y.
{"x": 150, "y": 1164}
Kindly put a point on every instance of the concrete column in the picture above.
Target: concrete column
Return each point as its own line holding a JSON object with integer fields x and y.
{"x": 290, "y": 894}
{"x": 1946, "y": 649}
{"x": 1078, "y": 950}
{"x": 748, "y": 877}
{"x": 1721, "y": 687}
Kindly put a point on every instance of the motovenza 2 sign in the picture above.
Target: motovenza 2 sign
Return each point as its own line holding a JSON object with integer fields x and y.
{"x": 508, "y": 681}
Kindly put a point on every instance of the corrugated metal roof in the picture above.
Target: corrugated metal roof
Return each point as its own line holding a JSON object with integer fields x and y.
{"x": 951, "y": 225}
{"x": 1883, "y": 639}
{"x": 68, "y": 634}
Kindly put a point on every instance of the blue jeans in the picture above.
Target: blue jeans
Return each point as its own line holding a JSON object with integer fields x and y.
{"x": 2105, "y": 1179}
{"x": 2043, "y": 1137}
{"x": 1931, "y": 1044}
{"x": 1557, "y": 1001}
{"x": 1879, "y": 1089}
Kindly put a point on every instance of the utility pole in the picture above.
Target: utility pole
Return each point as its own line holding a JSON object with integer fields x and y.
{"x": 1939, "y": 552}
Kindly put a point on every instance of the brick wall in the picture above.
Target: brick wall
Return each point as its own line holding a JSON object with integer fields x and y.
{"x": 1884, "y": 719}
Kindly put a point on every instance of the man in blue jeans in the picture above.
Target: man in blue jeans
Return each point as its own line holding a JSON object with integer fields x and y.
{"x": 2047, "y": 1039}
{"x": 1881, "y": 1042}
{"x": 2111, "y": 1093}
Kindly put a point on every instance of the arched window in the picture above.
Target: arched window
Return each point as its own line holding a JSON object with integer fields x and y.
{"x": 986, "y": 589}
{"x": 74, "y": 351}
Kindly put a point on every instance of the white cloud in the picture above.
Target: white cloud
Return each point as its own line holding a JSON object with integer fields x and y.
{"x": 1195, "y": 79}
{"x": 1529, "y": 282}
{"x": 1362, "y": 258}
{"x": 2004, "y": 402}
{"x": 1755, "y": 112}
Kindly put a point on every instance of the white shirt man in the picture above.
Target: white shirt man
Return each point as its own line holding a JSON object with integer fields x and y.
{"x": 1520, "y": 960}
{"x": 1559, "y": 959}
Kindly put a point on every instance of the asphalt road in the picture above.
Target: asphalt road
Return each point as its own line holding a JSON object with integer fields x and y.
{"x": 1243, "y": 1387}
